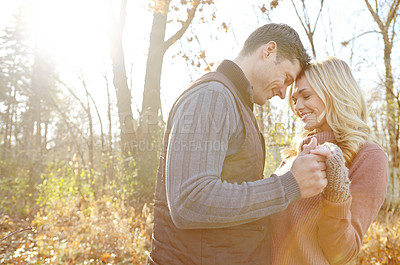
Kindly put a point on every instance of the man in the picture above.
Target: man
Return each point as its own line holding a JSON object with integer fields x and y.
{"x": 211, "y": 197}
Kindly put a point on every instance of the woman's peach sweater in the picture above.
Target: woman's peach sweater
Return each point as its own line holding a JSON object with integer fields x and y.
{"x": 316, "y": 231}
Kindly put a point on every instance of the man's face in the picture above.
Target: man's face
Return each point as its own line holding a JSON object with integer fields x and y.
{"x": 272, "y": 76}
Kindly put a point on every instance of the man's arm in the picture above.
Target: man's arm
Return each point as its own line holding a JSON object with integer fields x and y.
{"x": 197, "y": 197}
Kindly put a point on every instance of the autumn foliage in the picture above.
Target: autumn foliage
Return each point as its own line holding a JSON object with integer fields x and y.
{"x": 75, "y": 231}
{"x": 107, "y": 231}
{"x": 68, "y": 195}
{"x": 382, "y": 241}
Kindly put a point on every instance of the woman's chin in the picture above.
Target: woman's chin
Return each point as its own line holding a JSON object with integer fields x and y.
{"x": 308, "y": 127}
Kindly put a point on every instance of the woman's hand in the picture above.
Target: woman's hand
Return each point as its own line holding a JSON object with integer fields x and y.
{"x": 338, "y": 188}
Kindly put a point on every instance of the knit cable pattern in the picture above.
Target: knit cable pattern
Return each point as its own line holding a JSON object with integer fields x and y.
{"x": 338, "y": 188}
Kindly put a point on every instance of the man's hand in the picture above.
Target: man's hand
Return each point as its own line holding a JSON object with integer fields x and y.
{"x": 309, "y": 169}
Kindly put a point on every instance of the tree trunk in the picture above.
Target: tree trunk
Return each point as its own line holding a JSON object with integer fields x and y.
{"x": 391, "y": 108}
{"x": 151, "y": 118}
{"x": 109, "y": 158}
{"x": 6, "y": 140}
{"x": 9, "y": 120}
{"x": 27, "y": 131}
{"x": 46, "y": 130}
{"x": 151, "y": 105}
{"x": 15, "y": 124}
{"x": 151, "y": 122}
{"x": 35, "y": 152}
{"x": 109, "y": 148}
{"x": 392, "y": 111}
{"x": 90, "y": 140}
{"x": 128, "y": 136}
{"x": 123, "y": 100}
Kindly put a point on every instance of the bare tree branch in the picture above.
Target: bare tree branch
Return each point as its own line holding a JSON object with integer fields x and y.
{"x": 109, "y": 115}
{"x": 298, "y": 15}
{"x": 359, "y": 35}
{"x": 375, "y": 14}
{"x": 53, "y": 102}
{"x": 185, "y": 25}
{"x": 99, "y": 117}
{"x": 319, "y": 14}
{"x": 393, "y": 31}
{"x": 73, "y": 93}
{"x": 392, "y": 12}
{"x": 305, "y": 22}
{"x": 16, "y": 232}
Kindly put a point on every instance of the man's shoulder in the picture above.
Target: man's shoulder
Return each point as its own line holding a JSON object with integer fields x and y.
{"x": 207, "y": 90}
{"x": 211, "y": 99}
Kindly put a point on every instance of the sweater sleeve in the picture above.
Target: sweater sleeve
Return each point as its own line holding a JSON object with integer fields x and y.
{"x": 202, "y": 127}
{"x": 343, "y": 225}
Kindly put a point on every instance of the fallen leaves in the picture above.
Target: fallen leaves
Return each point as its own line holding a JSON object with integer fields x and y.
{"x": 104, "y": 231}
{"x": 105, "y": 257}
{"x": 108, "y": 231}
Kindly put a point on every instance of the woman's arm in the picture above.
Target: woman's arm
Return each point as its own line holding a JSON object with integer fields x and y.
{"x": 343, "y": 224}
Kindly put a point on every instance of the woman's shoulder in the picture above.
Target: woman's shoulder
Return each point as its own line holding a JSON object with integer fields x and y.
{"x": 369, "y": 170}
{"x": 370, "y": 151}
{"x": 371, "y": 147}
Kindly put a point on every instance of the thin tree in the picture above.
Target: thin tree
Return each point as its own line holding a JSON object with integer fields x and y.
{"x": 124, "y": 98}
{"x": 16, "y": 64}
{"x": 386, "y": 22}
{"x": 151, "y": 105}
{"x": 43, "y": 85}
{"x": 108, "y": 157}
{"x": 308, "y": 26}
{"x": 150, "y": 124}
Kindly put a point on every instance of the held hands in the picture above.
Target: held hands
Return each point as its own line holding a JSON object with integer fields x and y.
{"x": 320, "y": 168}
{"x": 309, "y": 169}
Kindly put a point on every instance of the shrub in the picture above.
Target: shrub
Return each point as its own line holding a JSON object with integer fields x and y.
{"x": 18, "y": 194}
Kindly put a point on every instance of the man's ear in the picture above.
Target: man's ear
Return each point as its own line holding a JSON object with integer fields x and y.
{"x": 269, "y": 48}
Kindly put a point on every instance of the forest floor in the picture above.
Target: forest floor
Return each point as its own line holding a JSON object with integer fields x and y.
{"x": 108, "y": 232}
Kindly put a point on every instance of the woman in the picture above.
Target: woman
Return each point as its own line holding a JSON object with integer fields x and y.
{"x": 329, "y": 228}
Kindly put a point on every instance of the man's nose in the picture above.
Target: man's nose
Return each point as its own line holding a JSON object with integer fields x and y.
{"x": 282, "y": 92}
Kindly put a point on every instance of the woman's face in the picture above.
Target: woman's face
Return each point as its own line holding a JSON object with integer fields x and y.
{"x": 309, "y": 106}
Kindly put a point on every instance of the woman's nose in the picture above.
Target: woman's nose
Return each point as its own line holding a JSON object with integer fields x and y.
{"x": 299, "y": 106}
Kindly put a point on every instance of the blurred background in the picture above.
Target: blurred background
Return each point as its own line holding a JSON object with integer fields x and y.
{"x": 86, "y": 87}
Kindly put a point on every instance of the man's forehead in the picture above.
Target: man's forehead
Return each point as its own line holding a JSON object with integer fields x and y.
{"x": 296, "y": 69}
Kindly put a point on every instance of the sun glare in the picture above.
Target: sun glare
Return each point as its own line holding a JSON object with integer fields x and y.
{"x": 71, "y": 30}
{"x": 75, "y": 34}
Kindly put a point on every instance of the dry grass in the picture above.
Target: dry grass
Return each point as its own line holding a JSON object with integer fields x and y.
{"x": 75, "y": 232}
{"x": 107, "y": 231}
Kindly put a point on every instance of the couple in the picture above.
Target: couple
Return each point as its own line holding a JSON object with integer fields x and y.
{"x": 213, "y": 205}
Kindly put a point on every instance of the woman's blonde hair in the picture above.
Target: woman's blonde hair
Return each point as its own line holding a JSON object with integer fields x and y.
{"x": 345, "y": 107}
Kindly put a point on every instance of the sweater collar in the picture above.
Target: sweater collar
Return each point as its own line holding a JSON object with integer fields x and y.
{"x": 234, "y": 73}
